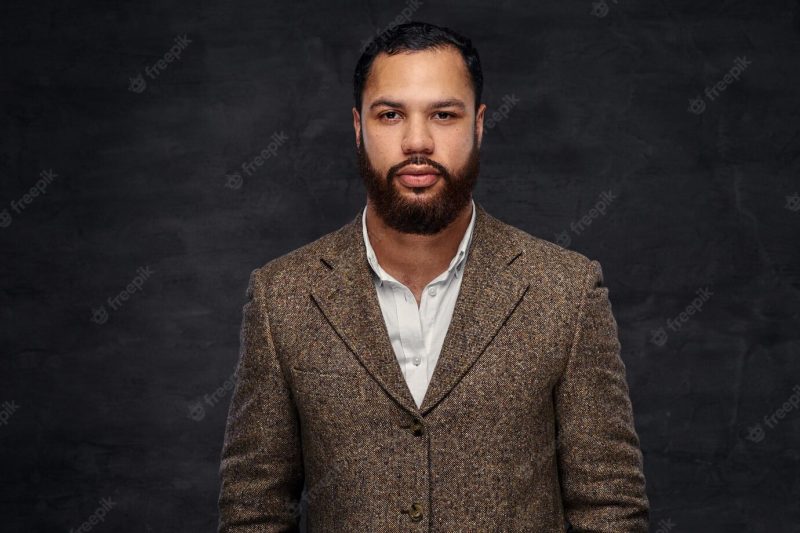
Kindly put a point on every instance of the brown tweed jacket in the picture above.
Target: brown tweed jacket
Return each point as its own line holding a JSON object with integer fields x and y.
{"x": 526, "y": 424}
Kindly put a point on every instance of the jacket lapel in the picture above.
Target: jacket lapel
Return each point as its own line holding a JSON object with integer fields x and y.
{"x": 489, "y": 293}
{"x": 347, "y": 298}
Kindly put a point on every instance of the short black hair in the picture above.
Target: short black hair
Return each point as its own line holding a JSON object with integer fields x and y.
{"x": 415, "y": 36}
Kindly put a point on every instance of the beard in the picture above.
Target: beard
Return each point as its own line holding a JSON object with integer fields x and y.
{"x": 427, "y": 213}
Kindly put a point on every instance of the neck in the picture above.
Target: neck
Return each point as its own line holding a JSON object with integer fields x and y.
{"x": 411, "y": 257}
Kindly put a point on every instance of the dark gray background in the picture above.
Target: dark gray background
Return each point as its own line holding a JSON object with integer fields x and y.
{"x": 701, "y": 200}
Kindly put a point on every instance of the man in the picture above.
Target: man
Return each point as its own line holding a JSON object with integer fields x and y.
{"x": 428, "y": 367}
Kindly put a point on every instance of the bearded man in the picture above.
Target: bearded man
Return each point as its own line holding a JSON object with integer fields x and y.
{"x": 428, "y": 367}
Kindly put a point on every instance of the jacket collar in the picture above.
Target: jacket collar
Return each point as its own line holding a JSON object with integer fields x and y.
{"x": 490, "y": 291}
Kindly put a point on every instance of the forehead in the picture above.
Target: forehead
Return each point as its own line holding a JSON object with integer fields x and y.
{"x": 423, "y": 75}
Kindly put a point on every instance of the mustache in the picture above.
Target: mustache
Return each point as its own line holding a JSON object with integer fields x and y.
{"x": 418, "y": 160}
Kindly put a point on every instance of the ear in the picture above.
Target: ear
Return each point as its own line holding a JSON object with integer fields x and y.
{"x": 479, "y": 123}
{"x": 357, "y": 125}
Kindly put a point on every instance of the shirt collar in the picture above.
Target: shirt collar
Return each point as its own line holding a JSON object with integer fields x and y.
{"x": 456, "y": 264}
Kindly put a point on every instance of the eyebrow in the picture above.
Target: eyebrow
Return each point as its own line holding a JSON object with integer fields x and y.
{"x": 451, "y": 102}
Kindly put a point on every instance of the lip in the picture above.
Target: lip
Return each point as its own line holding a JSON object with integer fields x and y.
{"x": 423, "y": 176}
{"x": 418, "y": 180}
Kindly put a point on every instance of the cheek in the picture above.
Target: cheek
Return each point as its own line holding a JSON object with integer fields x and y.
{"x": 382, "y": 150}
{"x": 383, "y": 140}
{"x": 468, "y": 140}
{"x": 456, "y": 151}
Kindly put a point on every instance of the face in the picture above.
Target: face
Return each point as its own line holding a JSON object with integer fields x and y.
{"x": 418, "y": 139}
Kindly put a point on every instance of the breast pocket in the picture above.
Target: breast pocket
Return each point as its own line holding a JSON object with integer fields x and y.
{"x": 328, "y": 387}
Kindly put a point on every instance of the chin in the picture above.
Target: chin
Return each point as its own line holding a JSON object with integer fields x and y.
{"x": 427, "y": 197}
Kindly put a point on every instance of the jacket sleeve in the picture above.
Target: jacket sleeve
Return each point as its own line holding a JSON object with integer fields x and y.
{"x": 599, "y": 460}
{"x": 261, "y": 467}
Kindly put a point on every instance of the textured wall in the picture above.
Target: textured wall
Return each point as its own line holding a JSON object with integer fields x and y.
{"x": 660, "y": 138}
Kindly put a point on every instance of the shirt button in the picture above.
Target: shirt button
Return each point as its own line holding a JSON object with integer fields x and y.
{"x": 417, "y": 361}
{"x": 432, "y": 291}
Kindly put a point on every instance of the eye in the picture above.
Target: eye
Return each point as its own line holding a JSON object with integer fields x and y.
{"x": 386, "y": 115}
{"x": 446, "y": 115}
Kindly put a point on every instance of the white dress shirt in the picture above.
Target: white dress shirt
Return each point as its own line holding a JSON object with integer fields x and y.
{"x": 417, "y": 333}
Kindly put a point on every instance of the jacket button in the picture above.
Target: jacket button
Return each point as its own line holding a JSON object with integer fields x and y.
{"x": 415, "y": 425}
{"x": 414, "y": 512}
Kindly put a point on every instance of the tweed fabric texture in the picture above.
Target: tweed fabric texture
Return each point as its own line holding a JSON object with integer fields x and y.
{"x": 526, "y": 424}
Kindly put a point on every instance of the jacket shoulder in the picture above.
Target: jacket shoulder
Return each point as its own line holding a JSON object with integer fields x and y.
{"x": 299, "y": 265}
{"x": 545, "y": 260}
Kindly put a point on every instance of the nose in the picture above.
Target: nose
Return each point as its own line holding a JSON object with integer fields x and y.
{"x": 417, "y": 137}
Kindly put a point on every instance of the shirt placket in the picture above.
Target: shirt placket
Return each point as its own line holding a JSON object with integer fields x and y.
{"x": 410, "y": 326}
